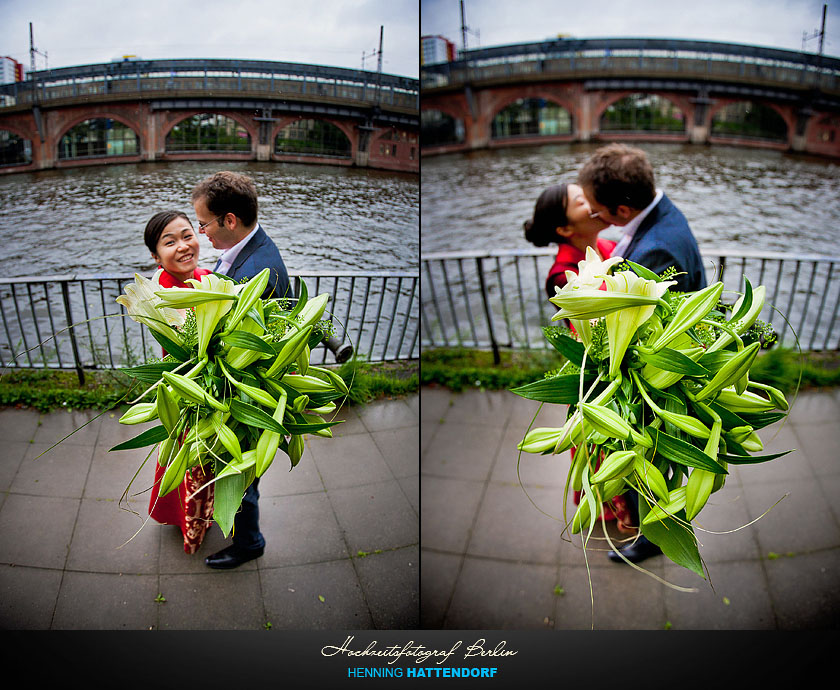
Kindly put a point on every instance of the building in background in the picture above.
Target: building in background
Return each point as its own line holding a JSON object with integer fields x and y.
{"x": 11, "y": 70}
{"x": 436, "y": 49}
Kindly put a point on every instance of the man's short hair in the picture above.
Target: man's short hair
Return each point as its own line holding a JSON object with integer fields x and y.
{"x": 619, "y": 175}
{"x": 229, "y": 192}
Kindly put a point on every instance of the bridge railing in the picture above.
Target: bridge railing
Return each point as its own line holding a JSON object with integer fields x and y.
{"x": 578, "y": 58}
{"x": 256, "y": 78}
{"x": 74, "y": 322}
{"x": 497, "y": 300}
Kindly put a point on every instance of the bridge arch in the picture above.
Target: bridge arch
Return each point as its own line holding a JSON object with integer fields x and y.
{"x": 441, "y": 127}
{"x": 138, "y": 143}
{"x": 558, "y": 120}
{"x": 751, "y": 119}
{"x": 314, "y": 138}
{"x": 642, "y": 112}
{"x": 10, "y": 149}
{"x": 175, "y": 143}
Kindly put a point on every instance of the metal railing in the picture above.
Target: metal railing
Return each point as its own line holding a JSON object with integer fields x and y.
{"x": 582, "y": 58}
{"x": 74, "y": 322}
{"x": 494, "y": 300}
{"x": 245, "y": 77}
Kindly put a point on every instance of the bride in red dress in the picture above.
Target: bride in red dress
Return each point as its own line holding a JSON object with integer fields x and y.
{"x": 173, "y": 243}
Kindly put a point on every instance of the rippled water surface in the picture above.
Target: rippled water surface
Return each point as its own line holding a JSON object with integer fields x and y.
{"x": 744, "y": 199}
{"x": 91, "y": 220}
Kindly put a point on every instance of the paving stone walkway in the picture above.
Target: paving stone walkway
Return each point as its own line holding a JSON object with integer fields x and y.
{"x": 342, "y": 532}
{"x": 494, "y": 555}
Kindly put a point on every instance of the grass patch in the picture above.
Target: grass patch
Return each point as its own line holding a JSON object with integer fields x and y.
{"x": 48, "y": 390}
{"x": 459, "y": 368}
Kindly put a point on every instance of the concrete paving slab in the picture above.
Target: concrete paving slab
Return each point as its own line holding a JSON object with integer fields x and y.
{"x": 18, "y": 424}
{"x": 358, "y": 461}
{"x": 300, "y": 529}
{"x": 438, "y": 574}
{"x": 728, "y": 600}
{"x": 502, "y": 595}
{"x": 104, "y": 541}
{"x": 106, "y": 601}
{"x": 28, "y": 597}
{"x": 375, "y": 516}
{"x": 58, "y": 472}
{"x": 390, "y": 583}
{"x": 36, "y": 530}
{"x": 317, "y": 596}
{"x": 220, "y": 600}
{"x": 447, "y": 512}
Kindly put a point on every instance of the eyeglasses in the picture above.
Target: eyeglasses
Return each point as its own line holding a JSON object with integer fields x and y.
{"x": 201, "y": 226}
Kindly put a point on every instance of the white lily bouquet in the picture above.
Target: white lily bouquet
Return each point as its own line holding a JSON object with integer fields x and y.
{"x": 659, "y": 394}
{"x": 235, "y": 385}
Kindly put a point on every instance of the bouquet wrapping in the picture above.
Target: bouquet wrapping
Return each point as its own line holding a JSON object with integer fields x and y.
{"x": 235, "y": 384}
{"x": 660, "y": 397}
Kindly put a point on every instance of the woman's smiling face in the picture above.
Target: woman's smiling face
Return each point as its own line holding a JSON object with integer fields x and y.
{"x": 177, "y": 249}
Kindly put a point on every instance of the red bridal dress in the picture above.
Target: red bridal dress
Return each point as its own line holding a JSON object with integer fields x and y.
{"x": 186, "y": 506}
{"x": 567, "y": 259}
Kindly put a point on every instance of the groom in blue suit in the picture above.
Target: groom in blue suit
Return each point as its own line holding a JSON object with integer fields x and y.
{"x": 619, "y": 185}
{"x": 618, "y": 182}
{"x": 226, "y": 209}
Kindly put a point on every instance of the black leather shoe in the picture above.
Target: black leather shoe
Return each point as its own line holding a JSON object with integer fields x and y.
{"x": 232, "y": 557}
{"x": 636, "y": 552}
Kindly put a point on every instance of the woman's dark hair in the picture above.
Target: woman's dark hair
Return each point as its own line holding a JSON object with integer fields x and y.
{"x": 156, "y": 224}
{"x": 549, "y": 214}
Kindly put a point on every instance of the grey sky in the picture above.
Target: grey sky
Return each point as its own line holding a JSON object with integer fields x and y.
{"x": 322, "y": 32}
{"x": 772, "y": 23}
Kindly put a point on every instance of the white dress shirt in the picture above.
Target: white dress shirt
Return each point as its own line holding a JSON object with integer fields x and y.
{"x": 228, "y": 256}
{"x": 633, "y": 225}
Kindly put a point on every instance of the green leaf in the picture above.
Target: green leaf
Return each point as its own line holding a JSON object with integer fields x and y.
{"x": 227, "y": 497}
{"x": 249, "y": 341}
{"x": 308, "y": 427}
{"x": 751, "y": 459}
{"x": 676, "y": 539}
{"x": 254, "y": 416}
{"x": 746, "y": 303}
{"x": 561, "y": 389}
{"x": 643, "y": 272}
{"x": 759, "y": 420}
{"x": 177, "y": 351}
{"x": 149, "y": 373}
{"x": 673, "y": 360}
{"x": 570, "y": 348}
{"x": 147, "y": 438}
{"x": 682, "y": 452}
{"x": 302, "y": 300}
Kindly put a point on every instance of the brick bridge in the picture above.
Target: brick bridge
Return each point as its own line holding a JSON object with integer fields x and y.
{"x": 377, "y": 113}
{"x": 586, "y": 77}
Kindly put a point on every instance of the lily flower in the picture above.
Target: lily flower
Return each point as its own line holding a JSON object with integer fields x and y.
{"x": 208, "y": 314}
{"x": 622, "y": 324}
{"x": 590, "y": 271}
{"x": 141, "y": 303}
{"x": 589, "y": 276}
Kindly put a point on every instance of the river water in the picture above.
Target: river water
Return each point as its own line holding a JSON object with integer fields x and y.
{"x": 91, "y": 220}
{"x": 733, "y": 198}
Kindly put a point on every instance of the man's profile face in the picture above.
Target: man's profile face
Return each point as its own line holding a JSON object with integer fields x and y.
{"x": 622, "y": 216}
{"x": 219, "y": 233}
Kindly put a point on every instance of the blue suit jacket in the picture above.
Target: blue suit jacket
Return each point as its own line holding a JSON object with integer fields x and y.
{"x": 664, "y": 239}
{"x": 260, "y": 253}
